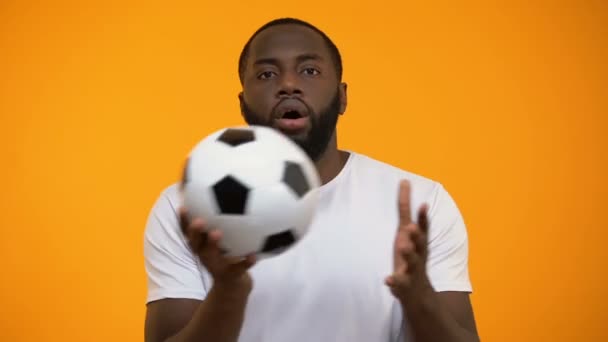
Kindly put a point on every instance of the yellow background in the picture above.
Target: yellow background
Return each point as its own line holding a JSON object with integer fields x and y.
{"x": 505, "y": 103}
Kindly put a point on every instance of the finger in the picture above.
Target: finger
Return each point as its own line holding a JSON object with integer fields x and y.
{"x": 420, "y": 241}
{"x": 197, "y": 225}
{"x": 421, "y": 237}
{"x": 251, "y": 259}
{"x": 412, "y": 260}
{"x": 404, "y": 203}
{"x": 196, "y": 234}
{"x": 398, "y": 280}
{"x": 417, "y": 237}
{"x": 407, "y": 248}
{"x": 234, "y": 260}
{"x": 183, "y": 219}
{"x": 243, "y": 265}
{"x": 220, "y": 264}
{"x": 403, "y": 245}
{"x": 184, "y": 179}
{"x": 423, "y": 218}
{"x": 213, "y": 241}
{"x": 403, "y": 239}
{"x": 210, "y": 253}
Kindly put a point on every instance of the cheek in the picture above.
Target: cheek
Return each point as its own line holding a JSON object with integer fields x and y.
{"x": 321, "y": 98}
{"x": 257, "y": 98}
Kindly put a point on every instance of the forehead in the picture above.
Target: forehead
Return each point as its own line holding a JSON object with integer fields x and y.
{"x": 287, "y": 41}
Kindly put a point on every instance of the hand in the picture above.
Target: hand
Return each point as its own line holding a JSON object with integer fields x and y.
{"x": 409, "y": 279}
{"x": 228, "y": 272}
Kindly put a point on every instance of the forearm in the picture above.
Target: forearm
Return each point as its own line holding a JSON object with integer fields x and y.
{"x": 219, "y": 317}
{"x": 430, "y": 321}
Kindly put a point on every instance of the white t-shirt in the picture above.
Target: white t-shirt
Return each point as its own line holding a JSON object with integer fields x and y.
{"x": 330, "y": 285}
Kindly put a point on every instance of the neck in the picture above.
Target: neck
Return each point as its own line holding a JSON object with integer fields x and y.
{"x": 331, "y": 161}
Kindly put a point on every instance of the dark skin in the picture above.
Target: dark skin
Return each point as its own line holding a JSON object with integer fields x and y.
{"x": 292, "y": 60}
{"x": 433, "y": 316}
{"x": 286, "y": 61}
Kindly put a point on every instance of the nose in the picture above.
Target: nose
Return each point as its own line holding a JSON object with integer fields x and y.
{"x": 289, "y": 85}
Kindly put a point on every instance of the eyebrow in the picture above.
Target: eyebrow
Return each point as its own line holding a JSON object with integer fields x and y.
{"x": 301, "y": 58}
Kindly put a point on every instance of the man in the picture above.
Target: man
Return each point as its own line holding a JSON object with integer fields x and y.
{"x": 386, "y": 257}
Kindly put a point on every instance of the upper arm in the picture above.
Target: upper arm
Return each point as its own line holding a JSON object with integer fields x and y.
{"x": 176, "y": 283}
{"x": 448, "y": 266}
{"x": 448, "y": 259}
{"x": 458, "y": 304}
{"x": 166, "y": 317}
{"x": 172, "y": 270}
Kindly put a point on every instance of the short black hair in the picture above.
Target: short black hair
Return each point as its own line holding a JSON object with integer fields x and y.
{"x": 335, "y": 53}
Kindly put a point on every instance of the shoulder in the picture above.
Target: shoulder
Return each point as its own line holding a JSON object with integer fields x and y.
{"x": 173, "y": 271}
{"x": 168, "y": 200}
{"x": 163, "y": 216}
{"x": 382, "y": 174}
{"x": 380, "y": 184}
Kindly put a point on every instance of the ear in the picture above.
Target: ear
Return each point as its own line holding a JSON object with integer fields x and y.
{"x": 241, "y": 102}
{"x": 343, "y": 98}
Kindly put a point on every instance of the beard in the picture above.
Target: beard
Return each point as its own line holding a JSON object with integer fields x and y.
{"x": 322, "y": 127}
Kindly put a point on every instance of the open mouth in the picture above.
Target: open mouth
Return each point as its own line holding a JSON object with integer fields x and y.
{"x": 291, "y": 114}
{"x": 292, "y": 121}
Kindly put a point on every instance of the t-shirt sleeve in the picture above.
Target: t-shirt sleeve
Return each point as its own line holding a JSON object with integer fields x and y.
{"x": 447, "y": 264}
{"x": 173, "y": 271}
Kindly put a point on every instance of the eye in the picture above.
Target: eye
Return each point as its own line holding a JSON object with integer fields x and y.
{"x": 310, "y": 71}
{"x": 266, "y": 75}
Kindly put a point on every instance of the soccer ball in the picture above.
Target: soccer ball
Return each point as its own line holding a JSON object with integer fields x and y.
{"x": 255, "y": 185}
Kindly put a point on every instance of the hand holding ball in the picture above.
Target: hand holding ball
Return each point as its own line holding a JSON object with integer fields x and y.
{"x": 255, "y": 185}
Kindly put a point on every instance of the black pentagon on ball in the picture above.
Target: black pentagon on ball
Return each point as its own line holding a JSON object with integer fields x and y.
{"x": 231, "y": 195}
{"x": 235, "y": 137}
{"x": 294, "y": 178}
{"x": 278, "y": 242}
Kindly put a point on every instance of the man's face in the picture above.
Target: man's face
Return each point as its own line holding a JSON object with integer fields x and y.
{"x": 290, "y": 84}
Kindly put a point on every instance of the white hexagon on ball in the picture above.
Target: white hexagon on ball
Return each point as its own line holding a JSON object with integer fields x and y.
{"x": 255, "y": 185}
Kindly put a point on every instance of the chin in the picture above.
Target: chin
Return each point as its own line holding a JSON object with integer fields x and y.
{"x": 298, "y": 137}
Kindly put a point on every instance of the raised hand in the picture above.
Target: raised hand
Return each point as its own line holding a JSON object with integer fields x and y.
{"x": 409, "y": 276}
{"x": 205, "y": 242}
